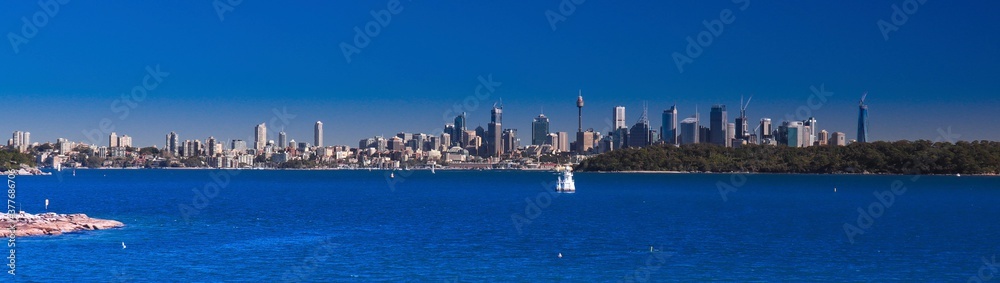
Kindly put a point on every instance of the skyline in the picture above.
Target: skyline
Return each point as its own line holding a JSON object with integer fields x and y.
{"x": 227, "y": 75}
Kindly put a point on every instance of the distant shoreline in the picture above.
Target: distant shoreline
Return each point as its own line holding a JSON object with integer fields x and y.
{"x": 528, "y": 170}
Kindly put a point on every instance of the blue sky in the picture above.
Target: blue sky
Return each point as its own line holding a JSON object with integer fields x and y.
{"x": 938, "y": 70}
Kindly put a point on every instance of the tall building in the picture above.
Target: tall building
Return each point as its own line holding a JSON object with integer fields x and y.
{"x": 260, "y": 137}
{"x": 282, "y": 139}
{"x": 20, "y": 140}
{"x": 668, "y": 130}
{"x": 239, "y": 146}
{"x": 838, "y": 139}
{"x": 689, "y": 131}
{"x": 585, "y": 141}
{"x": 495, "y": 138}
{"x": 619, "y": 115}
{"x": 113, "y": 140}
{"x": 212, "y": 146}
{"x": 318, "y": 134}
{"x": 730, "y": 134}
{"x": 125, "y": 141}
{"x": 640, "y": 135}
{"x": 173, "y": 144}
{"x": 792, "y": 134}
{"x": 765, "y": 128}
{"x": 810, "y": 131}
{"x": 863, "y": 120}
{"x": 563, "y": 141}
{"x": 823, "y": 138}
{"x": 718, "y": 125}
{"x": 510, "y": 140}
{"x": 579, "y": 112}
{"x": 460, "y": 128}
{"x": 540, "y": 130}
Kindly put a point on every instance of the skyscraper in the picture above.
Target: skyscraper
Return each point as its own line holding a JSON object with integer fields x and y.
{"x": 260, "y": 137}
{"x": 619, "y": 115}
{"x": 639, "y": 135}
{"x": 113, "y": 140}
{"x": 863, "y": 119}
{"x": 125, "y": 141}
{"x": 173, "y": 144}
{"x": 318, "y": 134}
{"x": 823, "y": 138}
{"x": 718, "y": 125}
{"x": 668, "y": 130}
{"x": 282, "y": 139}
{"x": 765, "y": 128}
{"x": 730, "y": 134}
{"x": 460, "y": 128}
{"x": 212, "y": 146}
{"x": 581, "y": 143}
{"x": 495, "y": 138}
{"x": 689, "y": 131}
{"x": 540, "y": 130}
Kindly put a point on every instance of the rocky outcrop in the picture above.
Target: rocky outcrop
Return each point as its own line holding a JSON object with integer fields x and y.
{"x": 27, "y": 224}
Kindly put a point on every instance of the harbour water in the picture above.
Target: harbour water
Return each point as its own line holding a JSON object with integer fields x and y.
{"x": 474, "y": 226}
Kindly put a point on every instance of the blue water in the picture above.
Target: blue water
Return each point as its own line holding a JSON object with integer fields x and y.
{"x": 355, "y": 226}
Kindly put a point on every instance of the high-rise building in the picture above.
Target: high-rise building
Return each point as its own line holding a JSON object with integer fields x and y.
{"x": 125, "y": 141}
{"x": 494, "y": 142}
{"x": 260, "y": 137}
{"x": 585, "y": 141}
{"x": 318, "y": 134}
{"x": 765, "y": 128}
{"x": 20, "y": 140}
{"x": 460, "y": 128}
{"x": 718, "y": 126}
{"x": 212, "y": 146}
{"x": 173, "y": 144}
{"x": 510, "y": 140}
{"x": 619, "y": 115}
{"x": 792, "y": 134}
{"x": 823, "y": 138}
{"x": 113, "y": 140}
{"x": 863, "y": 120}
{"x": 540, "y": 130}
{"x": 838, "y": 139}
{"x": 563, "y": 141}
{"x": 810, "y": 131}
{"x": 640, "y": 135}
{"x": 282, "y": 139}
{"x": 668, "y": 130}
{"x": 689, "y": 131}
{"x": 730, "y": 134}
{"x": 239, "y": 146}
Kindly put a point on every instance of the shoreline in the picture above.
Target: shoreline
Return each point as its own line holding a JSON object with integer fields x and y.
{"x": 524, "y": 169}
{"x": 52, "y": 224}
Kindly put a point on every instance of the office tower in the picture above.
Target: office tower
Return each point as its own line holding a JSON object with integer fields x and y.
{"x": 742, "y": 126}
{"x": 730, "y": 134}
{"x": 395, "y": 144}
{"x": 187, "y": 148}
{"x": 460, "y": 128}
{"x": 704, "y": 134}
{"x": 765, "y": 128}
{"x": 810, "y": 131}
{"x": 793, "y": 133}
{"x": 450, "y": 130}
{"x": 260, "y": 137}
{"x": 823, "y": 138}
{"x": 211, "y": 146}
{"x": 198, "y": 148}
{"x": 838, "y": 139}
{"x": 863, "y": 119}
{"x": 510, "y": 140}
{"x": 718, "y": 125}
{"x": 318, "y": 134}
{"x": 239, "y": 146}
{"x": 619, "y": 139}
{"x": 639, "y": 135}
{"x": 585, "y": 141}
{"x": 563, "y": 141}
{"x": 173, "y": 144}
{"x": 113, "y": 140}
{"x": 553, "y": 139}
{"x": 539, "y": 130}
{"x": 282, "y": 139}
{"x": 619, "y": 115}
{"x": 494, "y": 140}
{"x": 125, "y": 141}
{"x": 668, "y": 130}
{"x": 689, "y": 131}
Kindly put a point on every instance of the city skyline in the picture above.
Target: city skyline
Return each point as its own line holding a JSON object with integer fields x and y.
{"x": 72, "y": 75}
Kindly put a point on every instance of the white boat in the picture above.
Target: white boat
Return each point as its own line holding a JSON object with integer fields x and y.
{"x": 565, "y": 183}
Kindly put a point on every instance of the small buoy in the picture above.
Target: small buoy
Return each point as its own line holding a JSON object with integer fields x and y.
{"x": 560, "y": 255}
{"x": 123, "y": 245}
{"x": 834, "y": 190}
{"x": 650, "y": 248}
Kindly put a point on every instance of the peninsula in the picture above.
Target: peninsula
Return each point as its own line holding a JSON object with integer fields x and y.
{"x": 26, "y": 224}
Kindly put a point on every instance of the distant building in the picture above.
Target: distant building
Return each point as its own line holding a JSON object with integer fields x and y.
{"x": 689, "y": 131}
{"x": 863, "y": 120}
{"x": 282, "y": 139}
{"x": 260, "y": 137}
{"x": 540, "y": 130}
{"x": 318, "y": 134}
{"x": 494, "y": 136}
{"x": 619, "y": 115}
{"x": 640, "y": 135}
{"x": 173, "y": 144}
{"x": 125, "y": 141}
{"x": 563, "y": 141}
{"x": 510, "y": 141}
{"x": 113, "y": 140}
{"x": 823, "y": 138}
{"x": 238, "y": 146}
{"x": 718, "y": 126}
{"x": 838, "y": 139}
{"x": 730, "y": 134}
{"x": 668, "y": 130}
{"x": 460, "y": 127}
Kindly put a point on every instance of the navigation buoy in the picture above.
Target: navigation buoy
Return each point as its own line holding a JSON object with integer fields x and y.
{"x": 123, "y": 245}
{"x": 834, "y": 190}
{"x": 560, "y": 255}
{"x": 46, "y": 204}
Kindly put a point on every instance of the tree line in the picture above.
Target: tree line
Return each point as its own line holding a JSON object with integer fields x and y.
{"x": 900, "y": 157}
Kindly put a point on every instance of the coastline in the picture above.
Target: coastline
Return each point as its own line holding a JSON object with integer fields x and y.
{"x": 50, "y": 223}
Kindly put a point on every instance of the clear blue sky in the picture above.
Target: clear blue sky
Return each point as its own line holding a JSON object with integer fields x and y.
{"x": 938, "y": 70}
